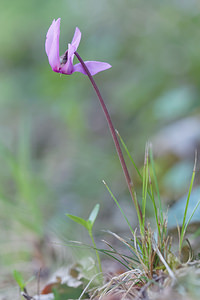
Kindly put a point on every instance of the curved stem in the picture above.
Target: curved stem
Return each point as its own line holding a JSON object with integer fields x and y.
{"x": 115, "y": 139}
{"x": 95, "y": 247}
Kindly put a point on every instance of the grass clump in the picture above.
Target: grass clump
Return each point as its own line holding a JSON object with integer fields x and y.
{"x": 151, "y": 260}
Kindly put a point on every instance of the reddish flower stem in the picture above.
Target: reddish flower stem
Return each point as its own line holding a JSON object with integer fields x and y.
{"x": 114, "y": 136}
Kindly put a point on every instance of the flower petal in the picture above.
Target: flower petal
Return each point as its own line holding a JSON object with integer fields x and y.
{"x": 93, "y": 66}
{"x": 76, "y": 38}
{"x": 52, "y": 45}
{"x": 49, "y": 37}
{"x": 68, "y": 67}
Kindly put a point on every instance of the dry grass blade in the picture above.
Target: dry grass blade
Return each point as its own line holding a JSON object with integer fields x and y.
{"x": 138, "y": 254}
{"x": 126, "y": 285}
{"x": 87, "y": 286}
{"x": 120, "y": 239}
{"x": 170, "y": 272}
{"x": 128, "y": 260}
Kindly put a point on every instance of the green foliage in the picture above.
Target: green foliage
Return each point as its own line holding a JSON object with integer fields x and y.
{"x": 19, "y": 279}
{"x": 93, "y": 216}
{"x": 88, "y": 224}
{"x": 78, "y": 220}
{"x": 149, "y": 254}
{"x": 28, "y": 188}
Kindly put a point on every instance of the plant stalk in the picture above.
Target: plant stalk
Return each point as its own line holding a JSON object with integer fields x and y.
{"x": 115, "y": 139}
{"x": 97, "y": 254}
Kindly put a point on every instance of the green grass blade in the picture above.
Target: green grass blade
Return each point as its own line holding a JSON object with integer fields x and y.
{"x": 117, "y": 253}
{"x": 133, "y": 260}
{"x": 128, "y": 153}
{"x": 154, "y": 206}
{"x": 127, "y": 244}
{"x": 188, "y": 222}
{"x": 156, "y": 184}
{"x": 145, "y": 187}
{"x": 131, "y": 229}
{"x": 77, "y": 244}
{"x": 115, "y": 258}
{"x": 183, "y": 229}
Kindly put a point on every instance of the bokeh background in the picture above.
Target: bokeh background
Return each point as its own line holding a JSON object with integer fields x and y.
{"x": 55, "y": 146}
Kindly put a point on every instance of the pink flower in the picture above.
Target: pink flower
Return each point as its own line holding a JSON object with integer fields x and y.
{"x": 64, "y": 64}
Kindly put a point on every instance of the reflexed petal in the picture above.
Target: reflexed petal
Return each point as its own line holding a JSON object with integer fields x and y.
{"x": 52, "y": 44}
{"x": 76, "y": 39}
{"x": 93, "y": 66}
{"x": 49, "y": 37}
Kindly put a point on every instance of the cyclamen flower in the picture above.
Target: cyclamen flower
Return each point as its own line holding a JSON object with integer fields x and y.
{"x": 64, "y": 64}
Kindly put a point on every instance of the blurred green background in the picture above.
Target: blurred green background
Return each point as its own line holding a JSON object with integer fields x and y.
{"x": 55, "y": 146}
